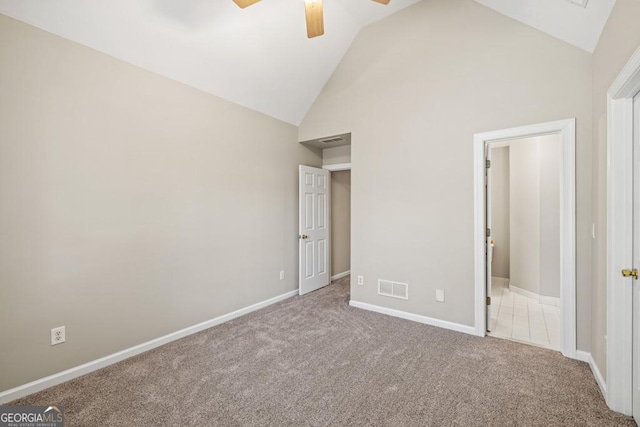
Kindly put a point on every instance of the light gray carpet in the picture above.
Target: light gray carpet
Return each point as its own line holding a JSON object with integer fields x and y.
{"x": 315, "y": 361}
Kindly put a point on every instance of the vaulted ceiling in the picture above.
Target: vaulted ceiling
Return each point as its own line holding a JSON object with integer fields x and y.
{"x": 565, "y": 19}
{"x": 260, "y": 57}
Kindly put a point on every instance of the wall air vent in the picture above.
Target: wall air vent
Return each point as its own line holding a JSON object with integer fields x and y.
{"x": 329, "y": 141}
{"x": 332, "y": 140}
{"x": 393, "y": 289}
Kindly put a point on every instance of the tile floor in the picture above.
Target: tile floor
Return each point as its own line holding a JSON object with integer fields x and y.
{"x": 523, "y": 319}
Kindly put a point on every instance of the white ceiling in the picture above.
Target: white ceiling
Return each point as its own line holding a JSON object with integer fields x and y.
{"x": 259, "y": 57}
{"x": 560, "y": 18}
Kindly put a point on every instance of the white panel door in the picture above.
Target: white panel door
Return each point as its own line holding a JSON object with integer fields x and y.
{"x": 636, "y": 259}
{"x": 314, "y": 228}
{"x": 488, "y": 246}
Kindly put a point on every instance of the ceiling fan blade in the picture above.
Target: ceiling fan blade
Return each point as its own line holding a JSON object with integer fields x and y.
{"x": 315, "y": 21}
{"x": 244, "y": 3}
{"x": 382, "y": 1}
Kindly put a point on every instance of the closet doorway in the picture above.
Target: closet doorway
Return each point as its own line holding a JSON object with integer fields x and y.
{"x": 340, "y": 221}
{"x": 336, "y": 165}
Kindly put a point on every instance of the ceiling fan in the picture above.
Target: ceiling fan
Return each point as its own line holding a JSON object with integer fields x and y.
{"x": 313, "y": 12}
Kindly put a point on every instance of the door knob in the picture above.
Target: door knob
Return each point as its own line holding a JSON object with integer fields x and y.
{"x": 630, "y": 273}
{"x": 304, "y": 236}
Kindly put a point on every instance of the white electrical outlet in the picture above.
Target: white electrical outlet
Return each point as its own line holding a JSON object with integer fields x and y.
{"x": 58, "y": 335}
{"x": 360, "y": 280}
{"x": 282, "y": 275}
{"x": 439, "y": 295}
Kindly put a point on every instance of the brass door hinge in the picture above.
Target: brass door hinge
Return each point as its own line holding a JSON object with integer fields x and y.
{"x": 630, "y": 273}
{"x": 488, "y": 300}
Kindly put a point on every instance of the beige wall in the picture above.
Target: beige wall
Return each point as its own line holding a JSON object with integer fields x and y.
{"x": 340, "y": 222}
{"x": 336, "y": 155}
{"x": 535, "y": 214}
{"x": 132, "y": 205}
{"x": 500, "y": 211}
{"x": 524, "y": 177}
{"x": 413, "y": 89}
{"x": 550, "y": 216}
{"x": 620, "y": 38}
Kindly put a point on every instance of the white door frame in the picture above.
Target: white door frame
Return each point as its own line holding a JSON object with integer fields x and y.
{"x": 488, "y": 200}
{"x": 567, "y": 131}
{"x": 337, "y": 167}
{"x": 619, "y": 235}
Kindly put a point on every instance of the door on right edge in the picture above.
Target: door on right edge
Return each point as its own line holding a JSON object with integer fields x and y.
{"x": 636, "y": 259}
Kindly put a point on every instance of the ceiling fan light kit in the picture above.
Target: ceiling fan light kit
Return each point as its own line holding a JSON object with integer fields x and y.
{"x": 312, "y": 11}
{"x": 244, "y": 3}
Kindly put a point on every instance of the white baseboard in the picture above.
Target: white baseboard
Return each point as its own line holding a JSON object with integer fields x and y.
{"x": 340, "y": 275}
{"x": 415, "y": 317}
{"x": 540, "y": 298}
{"x": 524, "y": 292}
{"x": 69, "y": 374}
{"x": 500, "y": 280}
{"x": 587, "y": 357}
{"x": 582, "y": 356}
{"x": 554, "y": 301}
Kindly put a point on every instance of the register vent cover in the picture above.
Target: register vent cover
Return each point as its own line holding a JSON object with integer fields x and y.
{"x": 331, "y": 140}
{"x": 389, "y": 288}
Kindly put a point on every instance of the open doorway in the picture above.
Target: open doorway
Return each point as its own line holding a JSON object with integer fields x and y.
{"x": 483, "y": 143}
{"x": 325, "y": 215}
{"x": 340, "y": 225}
{"x": 523, "y": 223}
